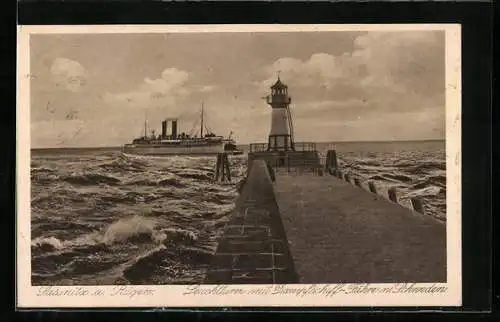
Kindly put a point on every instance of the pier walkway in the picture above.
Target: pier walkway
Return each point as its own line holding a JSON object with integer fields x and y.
{"x": 340, "y": 233}
{"x": 253, "y": 247}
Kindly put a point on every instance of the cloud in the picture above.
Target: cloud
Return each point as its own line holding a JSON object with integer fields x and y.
{"x": 387, "y": 73}
{"x": 390, "y": 86}
{"x": 171, "y": 78}
{"x": 318, "y": 71}
{"x": 413, "y": 61}
{"x": 154, "y": 93}
{"x": 153, "y": 99}
{"x": 68, "y": 74}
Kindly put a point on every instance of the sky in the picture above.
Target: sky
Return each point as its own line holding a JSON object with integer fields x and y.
{"x": 90, "y": 90}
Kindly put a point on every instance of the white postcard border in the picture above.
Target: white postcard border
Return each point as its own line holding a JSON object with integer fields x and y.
{"x": 320, "y": 295}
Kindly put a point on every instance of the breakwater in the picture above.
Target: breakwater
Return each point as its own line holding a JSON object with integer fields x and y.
{"x": 331, "y": 229}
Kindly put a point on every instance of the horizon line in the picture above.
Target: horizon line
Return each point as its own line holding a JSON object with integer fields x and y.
{"x": 317, "y": 142}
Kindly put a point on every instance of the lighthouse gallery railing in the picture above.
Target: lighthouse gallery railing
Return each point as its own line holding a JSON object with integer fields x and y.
{"x": 299, "y": 146}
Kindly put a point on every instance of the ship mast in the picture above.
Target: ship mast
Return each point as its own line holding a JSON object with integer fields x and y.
{"x": 146, "y": 123}
{"x": 201, "y": 127}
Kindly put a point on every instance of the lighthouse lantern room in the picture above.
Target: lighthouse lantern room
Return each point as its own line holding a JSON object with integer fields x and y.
{"x": 281, "y": 135}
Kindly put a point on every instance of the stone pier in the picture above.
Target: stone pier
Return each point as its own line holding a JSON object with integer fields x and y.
{"x": 303, "y": 227}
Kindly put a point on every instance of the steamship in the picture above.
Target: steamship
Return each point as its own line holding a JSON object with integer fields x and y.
{"x": 181, "y": 143}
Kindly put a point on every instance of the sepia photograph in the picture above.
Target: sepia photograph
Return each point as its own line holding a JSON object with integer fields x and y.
{"x": 290, "y": 165}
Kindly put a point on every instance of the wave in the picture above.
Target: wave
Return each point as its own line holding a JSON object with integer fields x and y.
{"x": 166, "y": 182}
{"x": 40, "y": 169}
{"x": 90, "y": 178}
{"x": 425, "y": 192}
{"x": 438, "y": 180}
{"x": 168, "y": 265}
{"x": 366, "y": 162}
{"x": 95, "y": 253}
{"x": 122, "y": 170}
{"x": 134, "y": 229}
{"x": 125, "y": 163}
{"x": 422, "y": 166}
{"x": 62, "y": 225}
{"x": 399, "y": 177}
{"x": 83, "y": 178}
{"x": 57, "y": 195}
{"x": 140, "y": 268}
{"x": 198, "y": 175}
{"x": 47, "y": 243}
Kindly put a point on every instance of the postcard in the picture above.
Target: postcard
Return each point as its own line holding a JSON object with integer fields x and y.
{"x": 239, "y": 165}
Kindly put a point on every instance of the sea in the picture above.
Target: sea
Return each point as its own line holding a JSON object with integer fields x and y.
{"x": 100, "y": 217}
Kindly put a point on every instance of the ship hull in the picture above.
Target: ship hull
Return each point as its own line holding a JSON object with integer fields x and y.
{"x": 169, "y": 150}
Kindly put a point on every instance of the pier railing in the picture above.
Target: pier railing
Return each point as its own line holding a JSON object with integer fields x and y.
{"x": 295, "y": 167}
{"x": 298, "y": 146}
{"x": 310, "y": 163}
{"x": 257, "y": 147}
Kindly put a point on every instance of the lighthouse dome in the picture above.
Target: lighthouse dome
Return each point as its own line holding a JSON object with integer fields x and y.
{"x": 278, "y": 84}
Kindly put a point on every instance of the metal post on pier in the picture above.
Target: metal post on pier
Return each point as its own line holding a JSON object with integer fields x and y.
{"x": 418, "y": 205}
{"x": 392, "y": 194}
{"x": 372, "y": 187}
{"x": 217, "y": 167}
{"x": 226, "y": 164}
{"x": 222, "y": 169}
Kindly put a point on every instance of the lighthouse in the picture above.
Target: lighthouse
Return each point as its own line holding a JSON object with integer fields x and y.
{"x": 281, "y": 134}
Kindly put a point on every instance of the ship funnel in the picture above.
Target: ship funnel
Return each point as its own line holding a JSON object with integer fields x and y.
{"x": 174, "y": 129}
{"x": 164, "y": 129}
